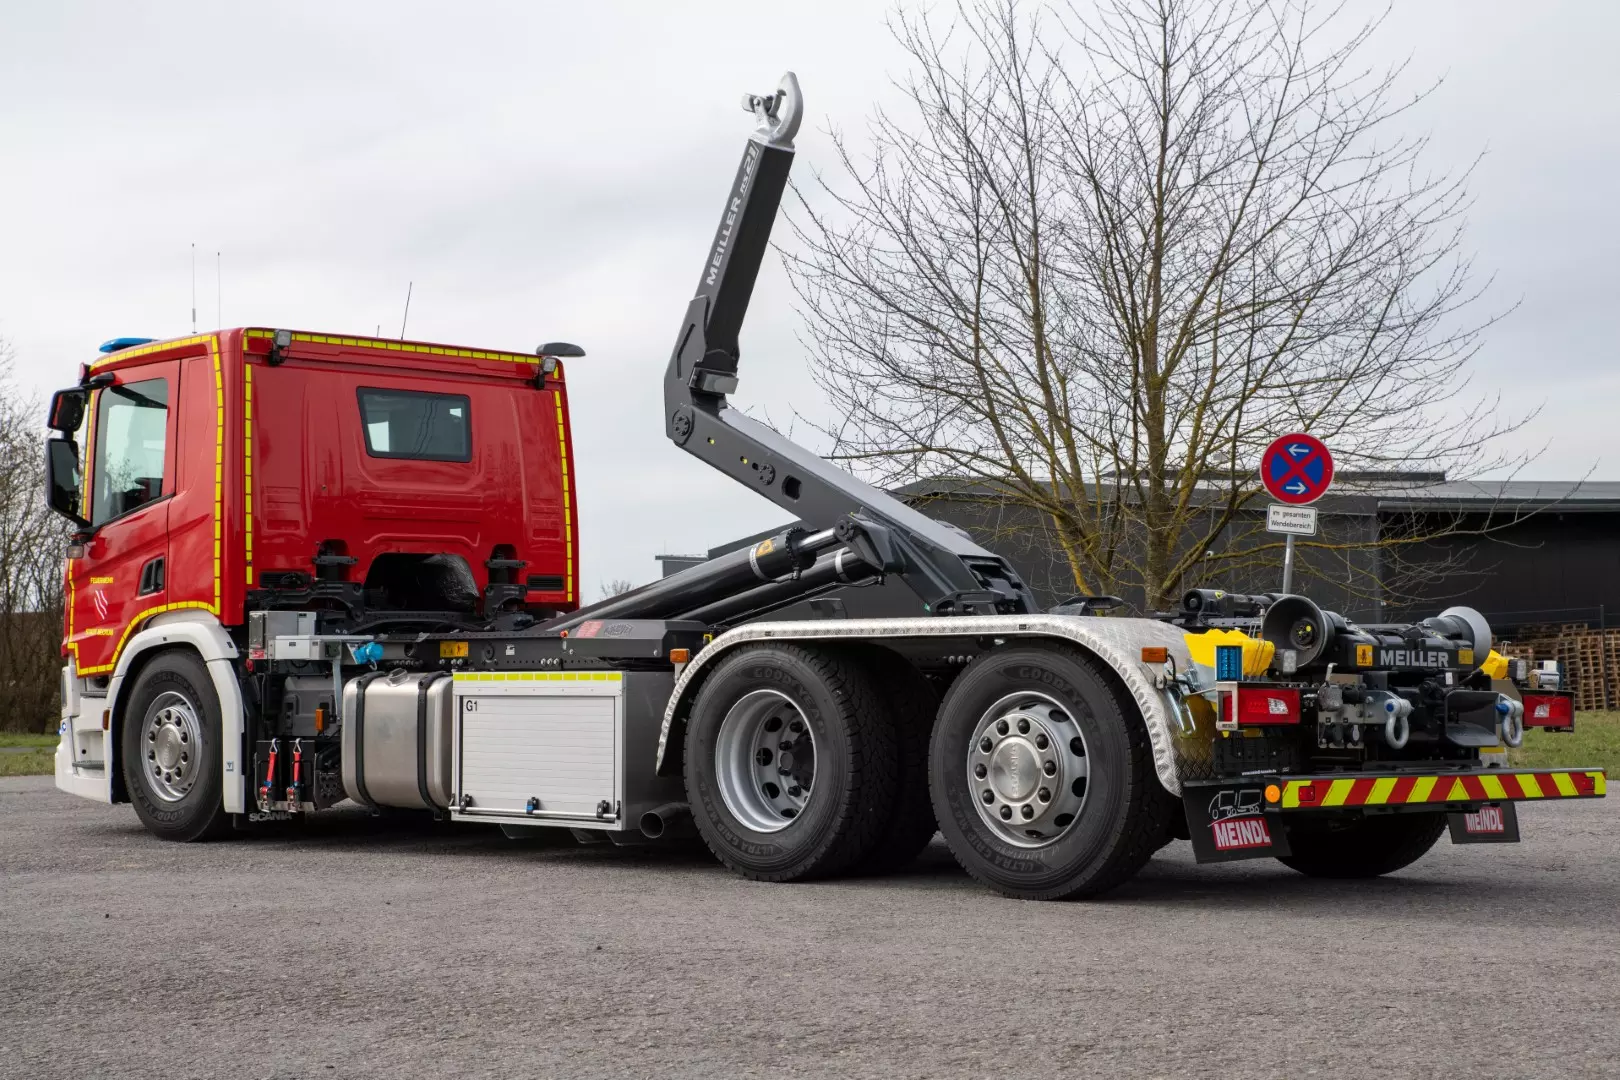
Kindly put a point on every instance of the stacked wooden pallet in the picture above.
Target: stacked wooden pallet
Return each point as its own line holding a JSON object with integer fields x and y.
{"x": 1591, "y": 659}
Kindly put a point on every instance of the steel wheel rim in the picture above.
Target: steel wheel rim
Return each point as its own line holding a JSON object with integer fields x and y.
{"x": 171, "y": 741}
{"x": 765, "y": 760}
{"x": 1028, "y": 769}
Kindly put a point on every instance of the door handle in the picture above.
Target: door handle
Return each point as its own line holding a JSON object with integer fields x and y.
{"x": 151, "y": 577}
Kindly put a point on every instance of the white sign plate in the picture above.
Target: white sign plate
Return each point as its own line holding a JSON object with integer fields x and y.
{"x": 1291, "y": 520}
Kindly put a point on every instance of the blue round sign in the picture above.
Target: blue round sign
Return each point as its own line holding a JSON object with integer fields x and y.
{"x": 1297, "y": 469}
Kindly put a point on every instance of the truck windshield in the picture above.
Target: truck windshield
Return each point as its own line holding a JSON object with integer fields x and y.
{"x": 132, "y": 423}
{"x": 416, "y": 425}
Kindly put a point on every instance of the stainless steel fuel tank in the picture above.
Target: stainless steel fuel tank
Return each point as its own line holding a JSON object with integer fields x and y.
{"x": 396, "y": 739}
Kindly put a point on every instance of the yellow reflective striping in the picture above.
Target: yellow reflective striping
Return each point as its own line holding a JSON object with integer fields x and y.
{"x": 538, "y": 676}
{"x": 409, "y": 348}
{"x": 156, "y": 346}
{"x": 219, "y": 464}
{"x": 1493, "y": 786}
{"x": 1339, "y": 792}
{"x": 128, "y": 629}
{"x": 1420, "y": 790}
{"x": 1458, "y": 792}
{"x": 247, "y": 470}
{"x": 1290, "y": 798}
{"x": 567, "y": 507}
{"x": 1528, "y": 784}
{"x": 1599, "y": 782}
{"x": 1380, "y": 790}
{"x": 1566, "y": 786}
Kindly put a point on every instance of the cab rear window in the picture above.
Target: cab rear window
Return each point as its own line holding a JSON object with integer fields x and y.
{"x": 415, "y": 425}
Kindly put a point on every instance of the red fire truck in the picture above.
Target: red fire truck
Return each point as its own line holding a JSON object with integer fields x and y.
{"x": 311, "y": 568}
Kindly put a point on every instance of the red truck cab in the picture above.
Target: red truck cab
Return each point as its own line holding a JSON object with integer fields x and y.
{"x": 385, "y": 484}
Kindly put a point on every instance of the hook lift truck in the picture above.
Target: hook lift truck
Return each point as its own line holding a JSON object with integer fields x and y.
{"x": 311, "y": 568}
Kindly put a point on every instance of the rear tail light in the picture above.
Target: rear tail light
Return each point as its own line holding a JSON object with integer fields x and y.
{"x": 1254, "y": 705}
{"x": 1549, "y": 711}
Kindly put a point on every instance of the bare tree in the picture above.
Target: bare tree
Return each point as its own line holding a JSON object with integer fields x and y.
{"x": 1099, "y": 260}
{"x": 32, "y": 542}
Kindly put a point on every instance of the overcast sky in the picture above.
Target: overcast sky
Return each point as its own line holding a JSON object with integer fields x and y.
{"x": 547, "y": 171}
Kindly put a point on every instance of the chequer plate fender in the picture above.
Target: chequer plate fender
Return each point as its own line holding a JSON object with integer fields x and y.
{"x": 1114, "y": 641}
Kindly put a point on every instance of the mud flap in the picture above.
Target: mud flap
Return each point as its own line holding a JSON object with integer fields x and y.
{"x": 1492, "y": 823}
{"x": 1228, "y": 822}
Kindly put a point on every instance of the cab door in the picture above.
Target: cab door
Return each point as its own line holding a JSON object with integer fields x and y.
{"x": 123, "y": 572}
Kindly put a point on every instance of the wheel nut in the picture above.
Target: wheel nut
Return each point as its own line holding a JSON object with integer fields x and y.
{"x": 795, "y": 791}
{"x": 1028, "y": 812}
{"x": 985, "y": 744}
{"x": 988, "y": 796}
{"x": 1023, "y": 727}
{"x": 1006, "y": 811}
{"x": 783, "y": 770}
{"x": 979, "y": 771}
{"x": 1041, "y": 742}
{"x": 1001, "y": 727}
{"x": 1045, "y": 795}
{"x": 796, "y": 727}
{"x": 1050, "y": 768}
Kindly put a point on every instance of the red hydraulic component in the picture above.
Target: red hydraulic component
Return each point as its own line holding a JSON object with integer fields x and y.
{"x": 269, "y": 776}
{"x": 298, "y": 761}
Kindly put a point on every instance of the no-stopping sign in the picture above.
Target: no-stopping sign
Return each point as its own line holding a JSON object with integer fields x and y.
{"x": 1296, "y": 469}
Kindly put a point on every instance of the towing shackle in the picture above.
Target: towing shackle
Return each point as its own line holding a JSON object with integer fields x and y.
{"x": 1512, "y": 713}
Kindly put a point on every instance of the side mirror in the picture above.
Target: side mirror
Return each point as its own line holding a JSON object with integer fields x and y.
{"x": 62, "y": 482}
{"x": 560, "y": 349}
{"x": 67, "y": 410}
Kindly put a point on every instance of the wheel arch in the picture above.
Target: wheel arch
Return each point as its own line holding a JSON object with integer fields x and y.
{"x": 201, "y": 635}
{"x": 1114, "y": 644}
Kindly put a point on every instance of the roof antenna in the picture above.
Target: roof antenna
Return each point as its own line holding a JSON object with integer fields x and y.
{"x": 408, "y": 287}
{"x": 193, "y": 288}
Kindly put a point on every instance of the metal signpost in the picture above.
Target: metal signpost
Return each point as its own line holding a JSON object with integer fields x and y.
{"x": 1297, "y": 470}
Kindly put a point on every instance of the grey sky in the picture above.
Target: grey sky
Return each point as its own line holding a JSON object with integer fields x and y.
{"x": 548, "y": 170}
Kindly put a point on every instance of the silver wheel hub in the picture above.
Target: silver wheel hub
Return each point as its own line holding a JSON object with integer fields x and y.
{"x": 1028, "y": 770}
{"x": 765, "y": 761}
{"x": 171, "y": 741}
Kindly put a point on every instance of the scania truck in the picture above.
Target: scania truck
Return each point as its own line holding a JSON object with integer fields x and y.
{"x": 311, "y": 568}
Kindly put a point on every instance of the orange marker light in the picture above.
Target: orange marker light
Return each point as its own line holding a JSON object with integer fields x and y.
{"x": 1155, "y": 654}
{"x": 679, "y": 656}
{"x": 1273, "y": 793}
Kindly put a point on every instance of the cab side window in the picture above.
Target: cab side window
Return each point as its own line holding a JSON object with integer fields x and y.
{"x": 132, "y": 425}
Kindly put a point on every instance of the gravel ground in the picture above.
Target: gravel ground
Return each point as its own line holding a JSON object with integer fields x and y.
{"x": 357, "y": 948}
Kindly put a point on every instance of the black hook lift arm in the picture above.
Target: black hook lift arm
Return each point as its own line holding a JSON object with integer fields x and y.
{"x": 948, "y": 571}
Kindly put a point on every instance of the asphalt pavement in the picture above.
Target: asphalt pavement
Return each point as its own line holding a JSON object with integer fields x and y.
{"x": 353, "y": 947}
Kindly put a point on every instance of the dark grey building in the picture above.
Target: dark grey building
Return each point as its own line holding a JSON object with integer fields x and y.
{"x": 1391, "y": 547}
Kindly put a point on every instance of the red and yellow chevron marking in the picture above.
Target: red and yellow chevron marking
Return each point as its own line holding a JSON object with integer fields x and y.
{"x": 1325, "y": 793}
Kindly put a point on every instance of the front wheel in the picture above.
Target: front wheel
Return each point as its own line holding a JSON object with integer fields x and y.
{"x": 791, "y": 767}
{"x": 171, "y": 750}
{"x": 1361, "y": 848}
{"x": 1042, "y": 782}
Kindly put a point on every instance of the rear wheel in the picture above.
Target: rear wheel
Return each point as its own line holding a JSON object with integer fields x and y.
{"x": 911, "y": 704}
{"x": 790, "y": 763}
{"x": 1043, "y": 785}
{"x": 171, "y": 750}
{"x": 1361, "y": 848}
